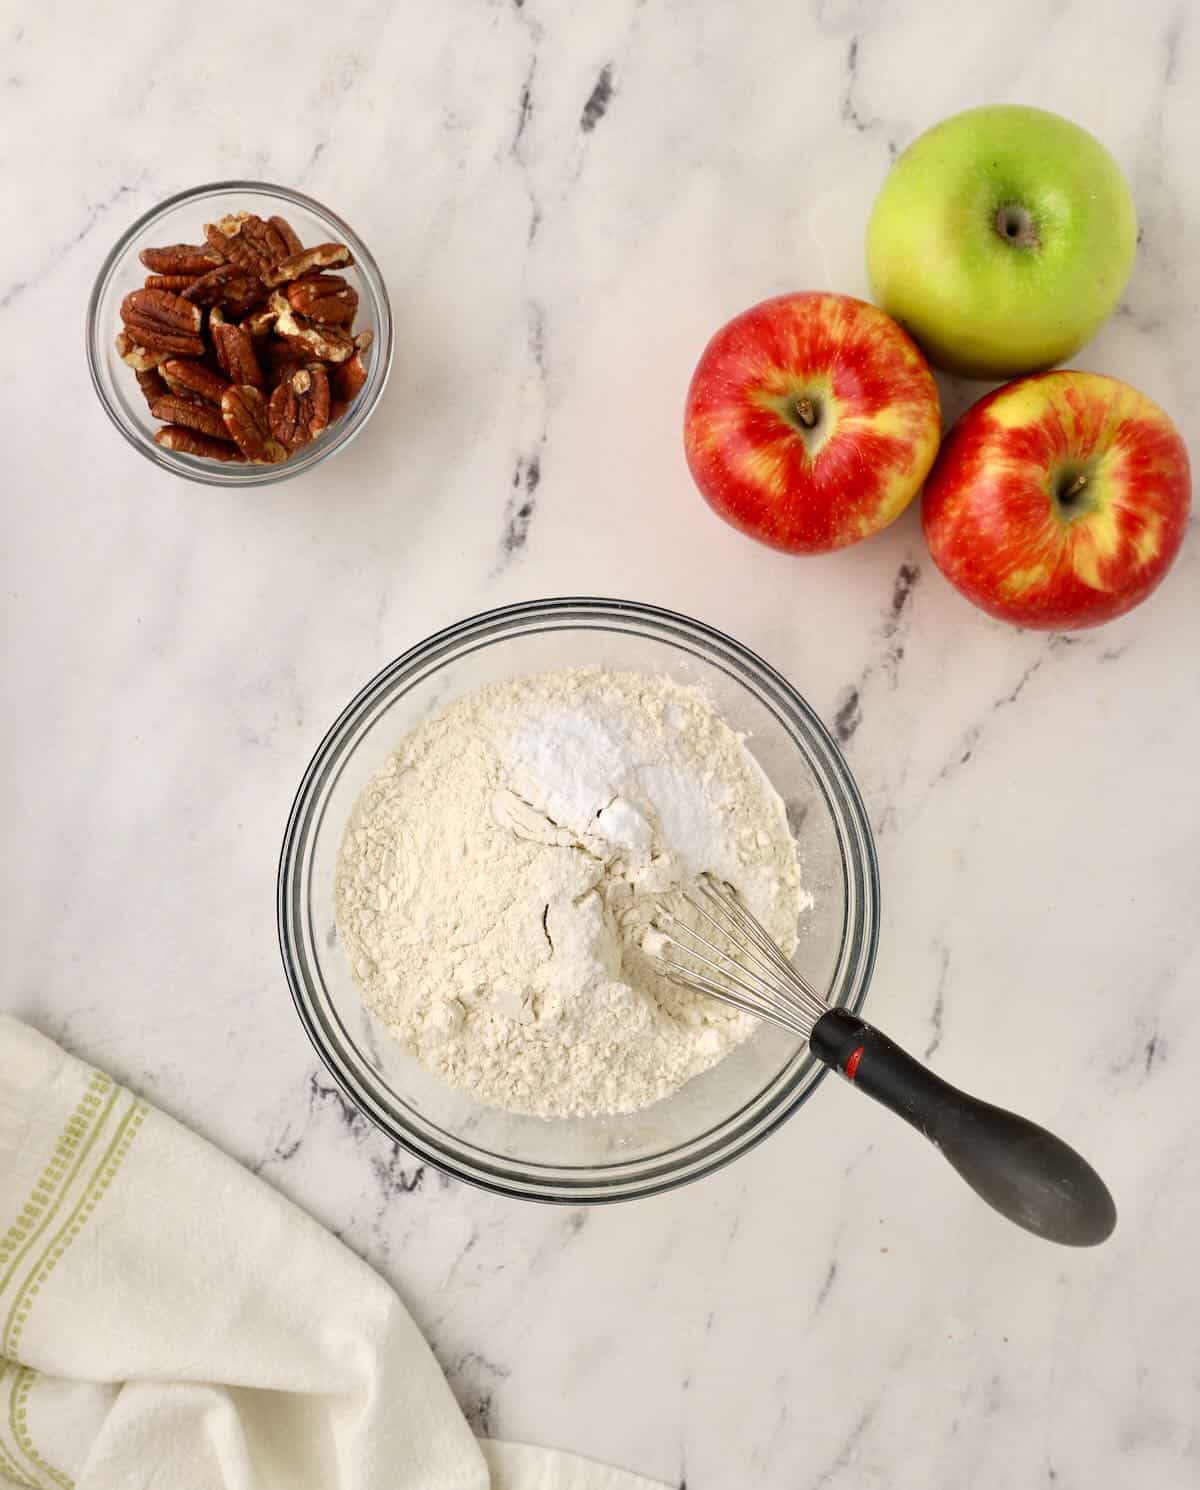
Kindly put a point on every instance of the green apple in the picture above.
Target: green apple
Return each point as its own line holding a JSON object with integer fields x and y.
{"x": 1002, "y": 240}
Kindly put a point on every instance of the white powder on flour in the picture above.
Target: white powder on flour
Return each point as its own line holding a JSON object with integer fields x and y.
{"x": 499, "y": 872}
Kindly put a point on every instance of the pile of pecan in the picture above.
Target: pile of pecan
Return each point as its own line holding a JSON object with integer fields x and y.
{"x": 244, "y": 345}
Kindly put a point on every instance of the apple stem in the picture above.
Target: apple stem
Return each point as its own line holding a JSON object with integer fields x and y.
{"x": 1074, "y": 489}
{"x": 806, "y": 413}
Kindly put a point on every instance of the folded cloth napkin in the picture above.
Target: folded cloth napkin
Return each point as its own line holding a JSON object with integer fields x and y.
{"x": 167, "y": 1320}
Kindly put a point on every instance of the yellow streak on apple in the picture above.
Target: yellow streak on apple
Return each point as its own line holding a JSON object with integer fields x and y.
{"x": 886, "y": 421}
{"x": 1149, "y": 540}
{"x": 893, "y": 501}
{"x": 1021, "y": 580}
{"x": 1020, "y": 406}
{"x": 713, "y": 431}
{"x": 1099, "y": 539}
{"x": 764, "y": 465}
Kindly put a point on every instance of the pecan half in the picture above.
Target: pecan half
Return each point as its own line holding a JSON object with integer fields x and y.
{"x": 349, "y": 379}
{"x": 322, "y": 343}
{"x": 324, "y": 297}
{"x": 259, "y": 322}
{"x": 192, "y": 442}
{"x": 235, "y": 353}
{"x": 248, "y": 241}
{"x": 299, "y": 407}
{"x": 134, "y": 355}
{"x": 244, "y": 411}
{"x": 163, "y": 322}
{"x": 187, "y": 379}
{"x": 176, "y": 283}
{"x": 288, "y": 234}
{"x": 198, "y": 416}
{"x": 180, "y": 258}
{"x": 227, "y": 286}
{"x": 309, "y": 261}
{"x": 150, "y": 380}
{"x": 279, "y": 360}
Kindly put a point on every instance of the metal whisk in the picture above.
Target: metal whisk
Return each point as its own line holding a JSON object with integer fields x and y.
{"x": 745, "y": 966}
{"x": 1027, "y": 1174}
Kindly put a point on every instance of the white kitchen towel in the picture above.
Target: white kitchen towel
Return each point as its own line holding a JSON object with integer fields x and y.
{"x": 167, "y": 1320}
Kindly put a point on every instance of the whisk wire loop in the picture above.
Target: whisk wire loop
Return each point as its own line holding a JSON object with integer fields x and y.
{"x": 744, "y": 969}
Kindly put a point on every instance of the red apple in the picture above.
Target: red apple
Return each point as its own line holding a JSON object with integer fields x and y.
{"x": 811, "y": 421}
{"x": 1058, "y": 501}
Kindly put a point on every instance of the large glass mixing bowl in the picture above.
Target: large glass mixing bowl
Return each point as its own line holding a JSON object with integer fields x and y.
{"x": 716, "y": 1116}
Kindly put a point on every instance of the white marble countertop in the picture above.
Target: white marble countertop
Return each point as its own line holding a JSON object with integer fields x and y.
{"x": 565, "y": 203}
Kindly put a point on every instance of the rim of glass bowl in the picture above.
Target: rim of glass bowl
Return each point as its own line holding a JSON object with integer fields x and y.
{"x": 210, "y": 473}
{"x": 573, "y": 1185}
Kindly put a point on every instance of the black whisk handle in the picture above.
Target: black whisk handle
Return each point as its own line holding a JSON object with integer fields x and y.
{"x": 1026, "y": 1173}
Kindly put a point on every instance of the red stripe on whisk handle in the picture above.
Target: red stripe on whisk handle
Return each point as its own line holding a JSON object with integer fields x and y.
{"x": 852, "y": 1064}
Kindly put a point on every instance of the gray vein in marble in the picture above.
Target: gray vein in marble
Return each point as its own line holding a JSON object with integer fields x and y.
{"x": 393, "y": 1169}
{"x": 518, "y": 512}
{"x": 851, "y": 109}
{"x": 285, "y": 1147}
{"x": 474, "y": 1379}
{"x": 525, "y": 114}
{"x": 598, "y": 100}
{"x": 398, "y": 1174}
{"x": 527, "y": 472}
{"x": 460, "y": 1257}
{"x": 735, "y": 1227}
{"x": 534, "y": 34}
{"x": 54, "y": 260}
{"x": 521, "y": 504}
{"x": 826, "y": 1287}
{"x": 848, "y": 717}
{"x": 326, "y": 1093}
{"x": 1166, "y": 237}
{"x": 849, "y": 713}
{"x": 525, "y": 105}
{"x": 1171, "y": 39}
{"x": 315, "y": 155}
{"x": 1145, "y": 1047}
{"x": 969, "y": 741}
{"x": 831, "y": 1474}
{"x": 860, "y": 1158}
{"x": 552, "y": 1245}
{"x": 763, "y": 1452}
{"x": 937, "y": 1017}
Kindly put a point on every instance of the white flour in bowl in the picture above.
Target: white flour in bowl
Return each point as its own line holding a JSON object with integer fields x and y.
{"x": 498, "y": 873}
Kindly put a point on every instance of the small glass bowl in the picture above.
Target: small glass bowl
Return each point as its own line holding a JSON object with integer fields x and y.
{"x": 181, "y": 219}
{"x": 716, "y": 1116}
